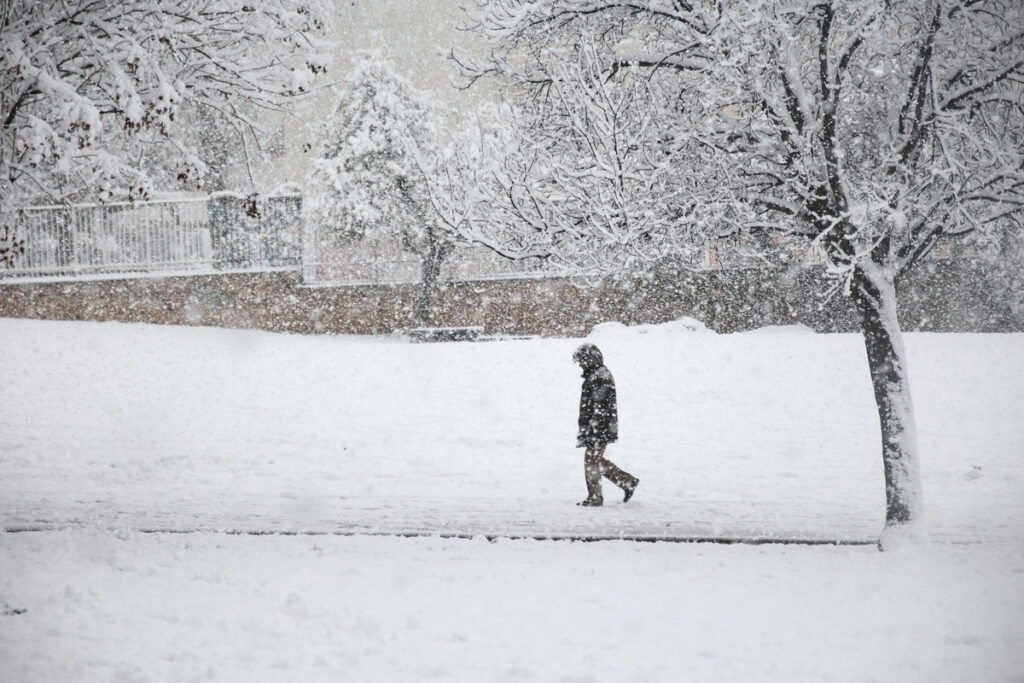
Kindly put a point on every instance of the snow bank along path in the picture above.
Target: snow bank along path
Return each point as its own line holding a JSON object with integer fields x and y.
{"x": 169, "y": 607}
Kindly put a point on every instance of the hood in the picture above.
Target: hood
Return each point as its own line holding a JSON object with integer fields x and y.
{"x": 589, "y": 356}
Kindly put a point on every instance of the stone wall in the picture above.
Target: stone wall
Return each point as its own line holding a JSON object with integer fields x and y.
{"x": 943, "y": 297}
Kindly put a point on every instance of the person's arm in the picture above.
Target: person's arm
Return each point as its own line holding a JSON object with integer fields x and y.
{"x": 586, "y": 414}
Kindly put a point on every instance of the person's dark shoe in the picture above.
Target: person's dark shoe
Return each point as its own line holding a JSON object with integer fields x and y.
{"x": 629, "y": 490}
{"x": 588, "y": 503}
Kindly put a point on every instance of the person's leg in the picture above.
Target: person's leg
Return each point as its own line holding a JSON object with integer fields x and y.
{"x": 616, "y": 475}
{"x": 621, "y": 478}
{"x": 592, "y": 471}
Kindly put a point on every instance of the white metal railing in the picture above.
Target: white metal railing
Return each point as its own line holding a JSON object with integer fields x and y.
{"x": 222, "y": 232}
{"x": 103, "y": 238}
{"x": 229, "y": 231}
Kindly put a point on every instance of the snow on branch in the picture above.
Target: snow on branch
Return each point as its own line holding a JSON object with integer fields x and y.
{"x": 90, "y": 90}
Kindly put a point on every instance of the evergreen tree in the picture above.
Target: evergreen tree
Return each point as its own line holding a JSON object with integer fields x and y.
{"x": 371, "y": 176}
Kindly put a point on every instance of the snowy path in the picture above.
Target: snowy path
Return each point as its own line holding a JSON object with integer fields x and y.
{"x": 753, "y": 436}
{"x": 743, "y": 521}
{"x": 722, "y": 521}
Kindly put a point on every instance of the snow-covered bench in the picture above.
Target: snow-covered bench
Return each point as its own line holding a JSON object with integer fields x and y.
{"x": 442, "y": 334}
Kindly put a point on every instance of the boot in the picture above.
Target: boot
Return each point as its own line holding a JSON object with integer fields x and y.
{"x": 630, "y": 489}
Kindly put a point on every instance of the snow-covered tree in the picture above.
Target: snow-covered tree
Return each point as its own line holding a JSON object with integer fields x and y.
{"x": 459, "y": 170}
{"x": 91, "y": 91}
{"x": 595, "y": 132}
{"x": 867, "y": 130}
{"x": 374, "y": 174}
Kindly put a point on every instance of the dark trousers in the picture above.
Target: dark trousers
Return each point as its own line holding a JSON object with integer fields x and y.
{"x": 595, "y": 465}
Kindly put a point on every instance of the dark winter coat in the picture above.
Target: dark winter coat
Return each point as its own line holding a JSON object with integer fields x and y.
{"x": 599, "y": 417}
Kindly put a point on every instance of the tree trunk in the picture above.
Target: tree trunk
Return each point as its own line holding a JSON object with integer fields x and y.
{"x": 431, "y": 270}
{"x": 874, "y": 295}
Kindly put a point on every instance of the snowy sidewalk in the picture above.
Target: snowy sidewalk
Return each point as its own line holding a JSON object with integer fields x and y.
{"x": 724, "y": 521}
{"x": 721, "y": 521}
{"x": 759, "y": 436}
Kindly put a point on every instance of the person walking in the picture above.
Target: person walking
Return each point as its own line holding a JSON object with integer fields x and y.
{"x": 599, "y": 426}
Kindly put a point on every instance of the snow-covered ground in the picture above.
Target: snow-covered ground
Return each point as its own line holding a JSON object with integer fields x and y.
{"x": 114, "y": 431}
